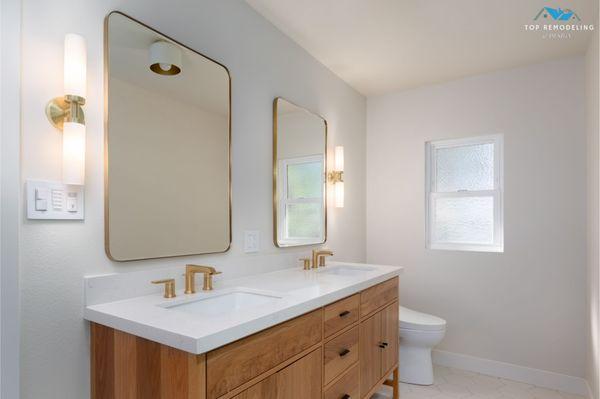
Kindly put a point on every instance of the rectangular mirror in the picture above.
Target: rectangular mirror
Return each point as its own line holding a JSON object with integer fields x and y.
{"x": 299, "y": 170}
{"x": 167, "y": 160}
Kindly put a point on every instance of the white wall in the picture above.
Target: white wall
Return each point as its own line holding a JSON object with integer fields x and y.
{"x": 526, "y": 305}
{"x": 10, "y": 118}
{"x": 593, "y": 307}
{"x": 263, "y": 64}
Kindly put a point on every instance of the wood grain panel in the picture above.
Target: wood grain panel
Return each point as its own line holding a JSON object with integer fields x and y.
{"x": 129, "y": 367}
{"x": 125, "y": 365}
{"x": 347, "y": 384}
{"x": 339, "y": 354}
{"x": 103, "y": 362}
{"x": 300, "y": 380}
{"x": 340, "y": 314}
{"x": 389, "y": 335}
{"x": 238, "y": 362}
{"x": 173, "y": 373}
{"x": 370, "y": 353}
{"x": 148, "y": 368}
{"x": 377, "y": 296}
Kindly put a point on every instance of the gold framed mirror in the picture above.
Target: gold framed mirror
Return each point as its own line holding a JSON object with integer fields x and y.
{"x": 299, "y": 175}
{"x": 167, "y": 146}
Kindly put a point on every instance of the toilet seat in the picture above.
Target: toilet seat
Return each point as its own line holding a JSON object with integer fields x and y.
{"x": 413, "y": 320}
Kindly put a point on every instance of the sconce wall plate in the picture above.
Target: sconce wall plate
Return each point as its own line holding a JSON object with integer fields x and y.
{"x": 65, "y": 108}
{"x": 336, "y": 176}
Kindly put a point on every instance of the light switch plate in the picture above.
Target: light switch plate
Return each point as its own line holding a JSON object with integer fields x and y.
{"x": 60, "y": 201}
{"x": 251, "y": 241}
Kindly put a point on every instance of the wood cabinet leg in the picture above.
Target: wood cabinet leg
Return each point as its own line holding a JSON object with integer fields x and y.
{"x": 396, "y": 386}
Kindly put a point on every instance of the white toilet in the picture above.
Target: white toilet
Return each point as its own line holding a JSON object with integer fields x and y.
{"x": 419, "y": 333}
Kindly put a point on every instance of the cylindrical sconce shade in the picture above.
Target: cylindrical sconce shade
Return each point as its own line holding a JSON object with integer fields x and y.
{"x": 75, "y": 65}
{"x": 339, "y": 194}
{"x": 165, "y": 58}
{"x": 339, "y": 158}
{"x": 73, "y": 157}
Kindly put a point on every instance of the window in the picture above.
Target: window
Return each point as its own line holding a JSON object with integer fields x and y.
{"x": 302, "y": 202}
{"x": 464, "y": 194}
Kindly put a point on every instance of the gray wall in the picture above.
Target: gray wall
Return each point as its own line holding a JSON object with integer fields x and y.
{"x": 525, "y": 306}
{"x": 263, "y": 63}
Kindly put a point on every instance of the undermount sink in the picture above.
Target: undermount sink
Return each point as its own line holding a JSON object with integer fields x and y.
{"x": 224, "y": 303}
{"x": 346, "y": 270}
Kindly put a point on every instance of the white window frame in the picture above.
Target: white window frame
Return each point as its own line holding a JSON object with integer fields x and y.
{"x": 431, "y": 193}
{"x": 284, "y": 201}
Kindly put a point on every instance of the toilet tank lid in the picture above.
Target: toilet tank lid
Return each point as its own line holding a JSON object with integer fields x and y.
{"x": 420, "y": 321}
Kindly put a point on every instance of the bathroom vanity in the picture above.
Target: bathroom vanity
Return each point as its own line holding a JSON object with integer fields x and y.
{"x": 328, "y": 333}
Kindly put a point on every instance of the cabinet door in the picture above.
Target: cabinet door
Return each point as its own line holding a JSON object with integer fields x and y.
{"x": 370, "y": 353}
{"x": 300, "y": 380}
{"x": 389, "y": 337}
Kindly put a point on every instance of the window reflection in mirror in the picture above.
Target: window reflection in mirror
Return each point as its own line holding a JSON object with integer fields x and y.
{"x": 300, "y": 140}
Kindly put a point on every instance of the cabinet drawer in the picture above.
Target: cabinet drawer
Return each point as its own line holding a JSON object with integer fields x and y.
{"x": 375, "y": 297}
{"x": 348, "y": 385}
{"x": 341, "y": 314}
{"x": 231, "y": 365}
{"x": 300, "y": 380}
{"x": 339, "y": 354}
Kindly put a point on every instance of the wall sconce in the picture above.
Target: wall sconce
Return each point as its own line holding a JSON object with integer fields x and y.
{"x": 336, "y": 177}
{"x": 165, "y": 58}
{"x": 65, "y": 113}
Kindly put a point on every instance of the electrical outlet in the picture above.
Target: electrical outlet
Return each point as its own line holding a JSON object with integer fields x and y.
{"x": 251, "y": 241}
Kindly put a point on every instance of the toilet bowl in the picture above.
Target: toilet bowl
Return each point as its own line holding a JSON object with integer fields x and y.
{"x": 419, "y": 333}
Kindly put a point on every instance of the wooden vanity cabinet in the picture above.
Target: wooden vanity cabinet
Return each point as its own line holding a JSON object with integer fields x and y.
{"x": 378, "y": 347}
{"x": 343, "y": 350}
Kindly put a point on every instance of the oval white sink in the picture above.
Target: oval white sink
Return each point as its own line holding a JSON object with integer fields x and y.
{"x": 223, "y": 303}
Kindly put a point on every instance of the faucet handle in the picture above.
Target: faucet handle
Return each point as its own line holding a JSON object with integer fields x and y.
{"x": 169, "y": 287}
{"x": 306, "y": 263}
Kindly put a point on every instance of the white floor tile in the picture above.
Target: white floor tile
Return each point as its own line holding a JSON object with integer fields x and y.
{"x": 458, "y": 384}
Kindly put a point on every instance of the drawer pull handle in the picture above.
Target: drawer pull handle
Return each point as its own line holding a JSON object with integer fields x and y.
{"x": 345, "y": 313}
{"x": 344, "y": 352}
{"x": 383, "y": 345}
{"x": 346, "y": 396}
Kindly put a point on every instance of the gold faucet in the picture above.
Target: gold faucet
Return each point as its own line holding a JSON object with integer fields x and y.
{"x": 169, "y": 287}
{"x": 318, "y": 257}
{"x": 190, "y": 281}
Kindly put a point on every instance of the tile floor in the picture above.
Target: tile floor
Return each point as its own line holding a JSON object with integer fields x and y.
{"x": 456, "y": 384}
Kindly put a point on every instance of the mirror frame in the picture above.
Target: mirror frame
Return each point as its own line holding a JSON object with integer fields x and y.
{"x": 106, "y": 141}
{"x": 276, "y": 177}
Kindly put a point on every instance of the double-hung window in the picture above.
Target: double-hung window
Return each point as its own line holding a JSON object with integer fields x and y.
{"x": 464, "y": 194}
{"x": 302, "y": 204}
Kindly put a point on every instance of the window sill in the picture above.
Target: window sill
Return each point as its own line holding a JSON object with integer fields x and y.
{"x": 467, "y": 247}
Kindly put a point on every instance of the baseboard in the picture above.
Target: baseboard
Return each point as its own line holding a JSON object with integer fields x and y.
{"x": 540, "y": 378}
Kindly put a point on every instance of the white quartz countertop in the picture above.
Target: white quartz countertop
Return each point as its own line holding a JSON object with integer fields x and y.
{"x": 282, "y": 295}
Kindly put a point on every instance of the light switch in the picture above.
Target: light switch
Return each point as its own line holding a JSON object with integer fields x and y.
{"x": 41, "y": 199}
{"x": 251, "y": 241}
{"x": 72, "y": 202}
{"x": 57, "y": 199}
{"x": 54, "y": 200}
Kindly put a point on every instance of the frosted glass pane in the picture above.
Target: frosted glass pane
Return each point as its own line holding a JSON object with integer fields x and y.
{"x": 469, "y": 167}
{"x": 304, "y": 220}
{"x": 304, "y": 180}
{"x": 464, "y": 220}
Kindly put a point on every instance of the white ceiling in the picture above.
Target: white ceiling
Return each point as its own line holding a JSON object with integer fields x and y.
{"x": 379, "y": 46}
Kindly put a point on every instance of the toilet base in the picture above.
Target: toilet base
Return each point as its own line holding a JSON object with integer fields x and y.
{"x": 416, "y": 365}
